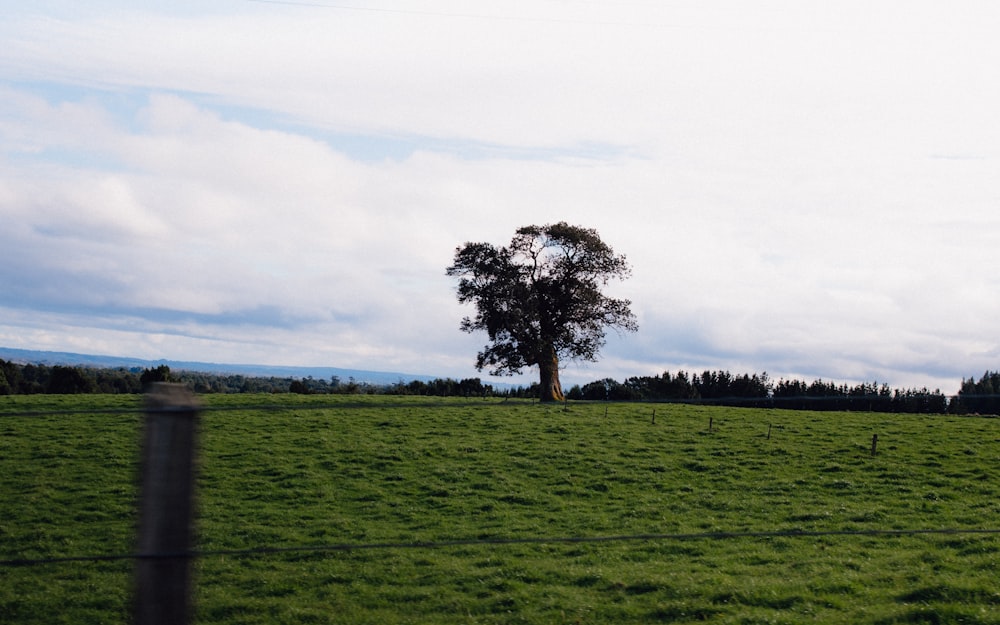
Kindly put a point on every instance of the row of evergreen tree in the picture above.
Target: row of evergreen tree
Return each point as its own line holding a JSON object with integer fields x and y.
{"x": 723, "y": 388}
{"x": 710, "y": 387}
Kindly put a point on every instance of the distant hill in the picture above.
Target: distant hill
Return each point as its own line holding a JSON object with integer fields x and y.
{"x": 26, "y": 356}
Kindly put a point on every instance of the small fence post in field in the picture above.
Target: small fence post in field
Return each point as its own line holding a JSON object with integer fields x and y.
{"x": 874, "y": 444}
{"x": 654, "y": 416}
{"x": 769, "y": 431}
{"x": 166, "y": 507}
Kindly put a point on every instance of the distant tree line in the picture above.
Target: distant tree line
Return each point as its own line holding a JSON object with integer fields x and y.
{"x": 982, "y": 397}
{"x": 710, "y": 386}
{"x": 720, "y": 388}
{"x": 757, "y": 390}
{"x": 30, "y": 379}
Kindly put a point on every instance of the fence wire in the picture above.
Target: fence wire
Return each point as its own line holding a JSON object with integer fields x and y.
{"x": 763, "y": 403}
{"x": 138, "y": 410}
{"x": 481, "y": 542}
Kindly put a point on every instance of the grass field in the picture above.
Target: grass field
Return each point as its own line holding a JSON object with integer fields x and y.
{"x": 375, "y": 470}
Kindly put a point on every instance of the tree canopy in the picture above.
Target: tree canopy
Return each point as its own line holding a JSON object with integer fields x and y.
{"x": 540, "y": 299}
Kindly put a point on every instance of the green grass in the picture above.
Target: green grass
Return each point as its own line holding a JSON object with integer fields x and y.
{"x": 389, "y": 470}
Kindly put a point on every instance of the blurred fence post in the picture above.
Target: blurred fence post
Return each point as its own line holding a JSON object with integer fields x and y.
{"x": 166, "y": 507}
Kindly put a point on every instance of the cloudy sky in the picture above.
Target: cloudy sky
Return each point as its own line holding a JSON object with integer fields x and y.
{"x": 803, "y": 187}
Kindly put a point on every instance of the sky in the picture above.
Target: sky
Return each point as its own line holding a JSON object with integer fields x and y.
{"x": 802, "y": 187}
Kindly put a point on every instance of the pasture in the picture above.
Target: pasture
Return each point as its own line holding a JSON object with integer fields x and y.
{"x": 426, "y": 510}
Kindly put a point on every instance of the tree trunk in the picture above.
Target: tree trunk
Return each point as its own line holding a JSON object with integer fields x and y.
{"x": 548, "y": 372}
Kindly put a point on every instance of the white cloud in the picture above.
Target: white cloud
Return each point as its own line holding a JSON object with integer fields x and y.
{"x": 808, "y": 188}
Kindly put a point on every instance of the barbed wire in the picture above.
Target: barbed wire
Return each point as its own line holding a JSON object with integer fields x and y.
{"x": 721, "y": 402}
{"x": 350, "y": 547}
{"x": 479, "y": 542}
{"x": 139, "y": 408}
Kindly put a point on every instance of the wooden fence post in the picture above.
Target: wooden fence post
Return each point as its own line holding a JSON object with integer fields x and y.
{"x": 874, "y": 444}
{"x": 166, "y": 507}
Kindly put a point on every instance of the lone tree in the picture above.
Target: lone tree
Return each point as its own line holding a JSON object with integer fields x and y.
{"x": 539, "y": 300}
